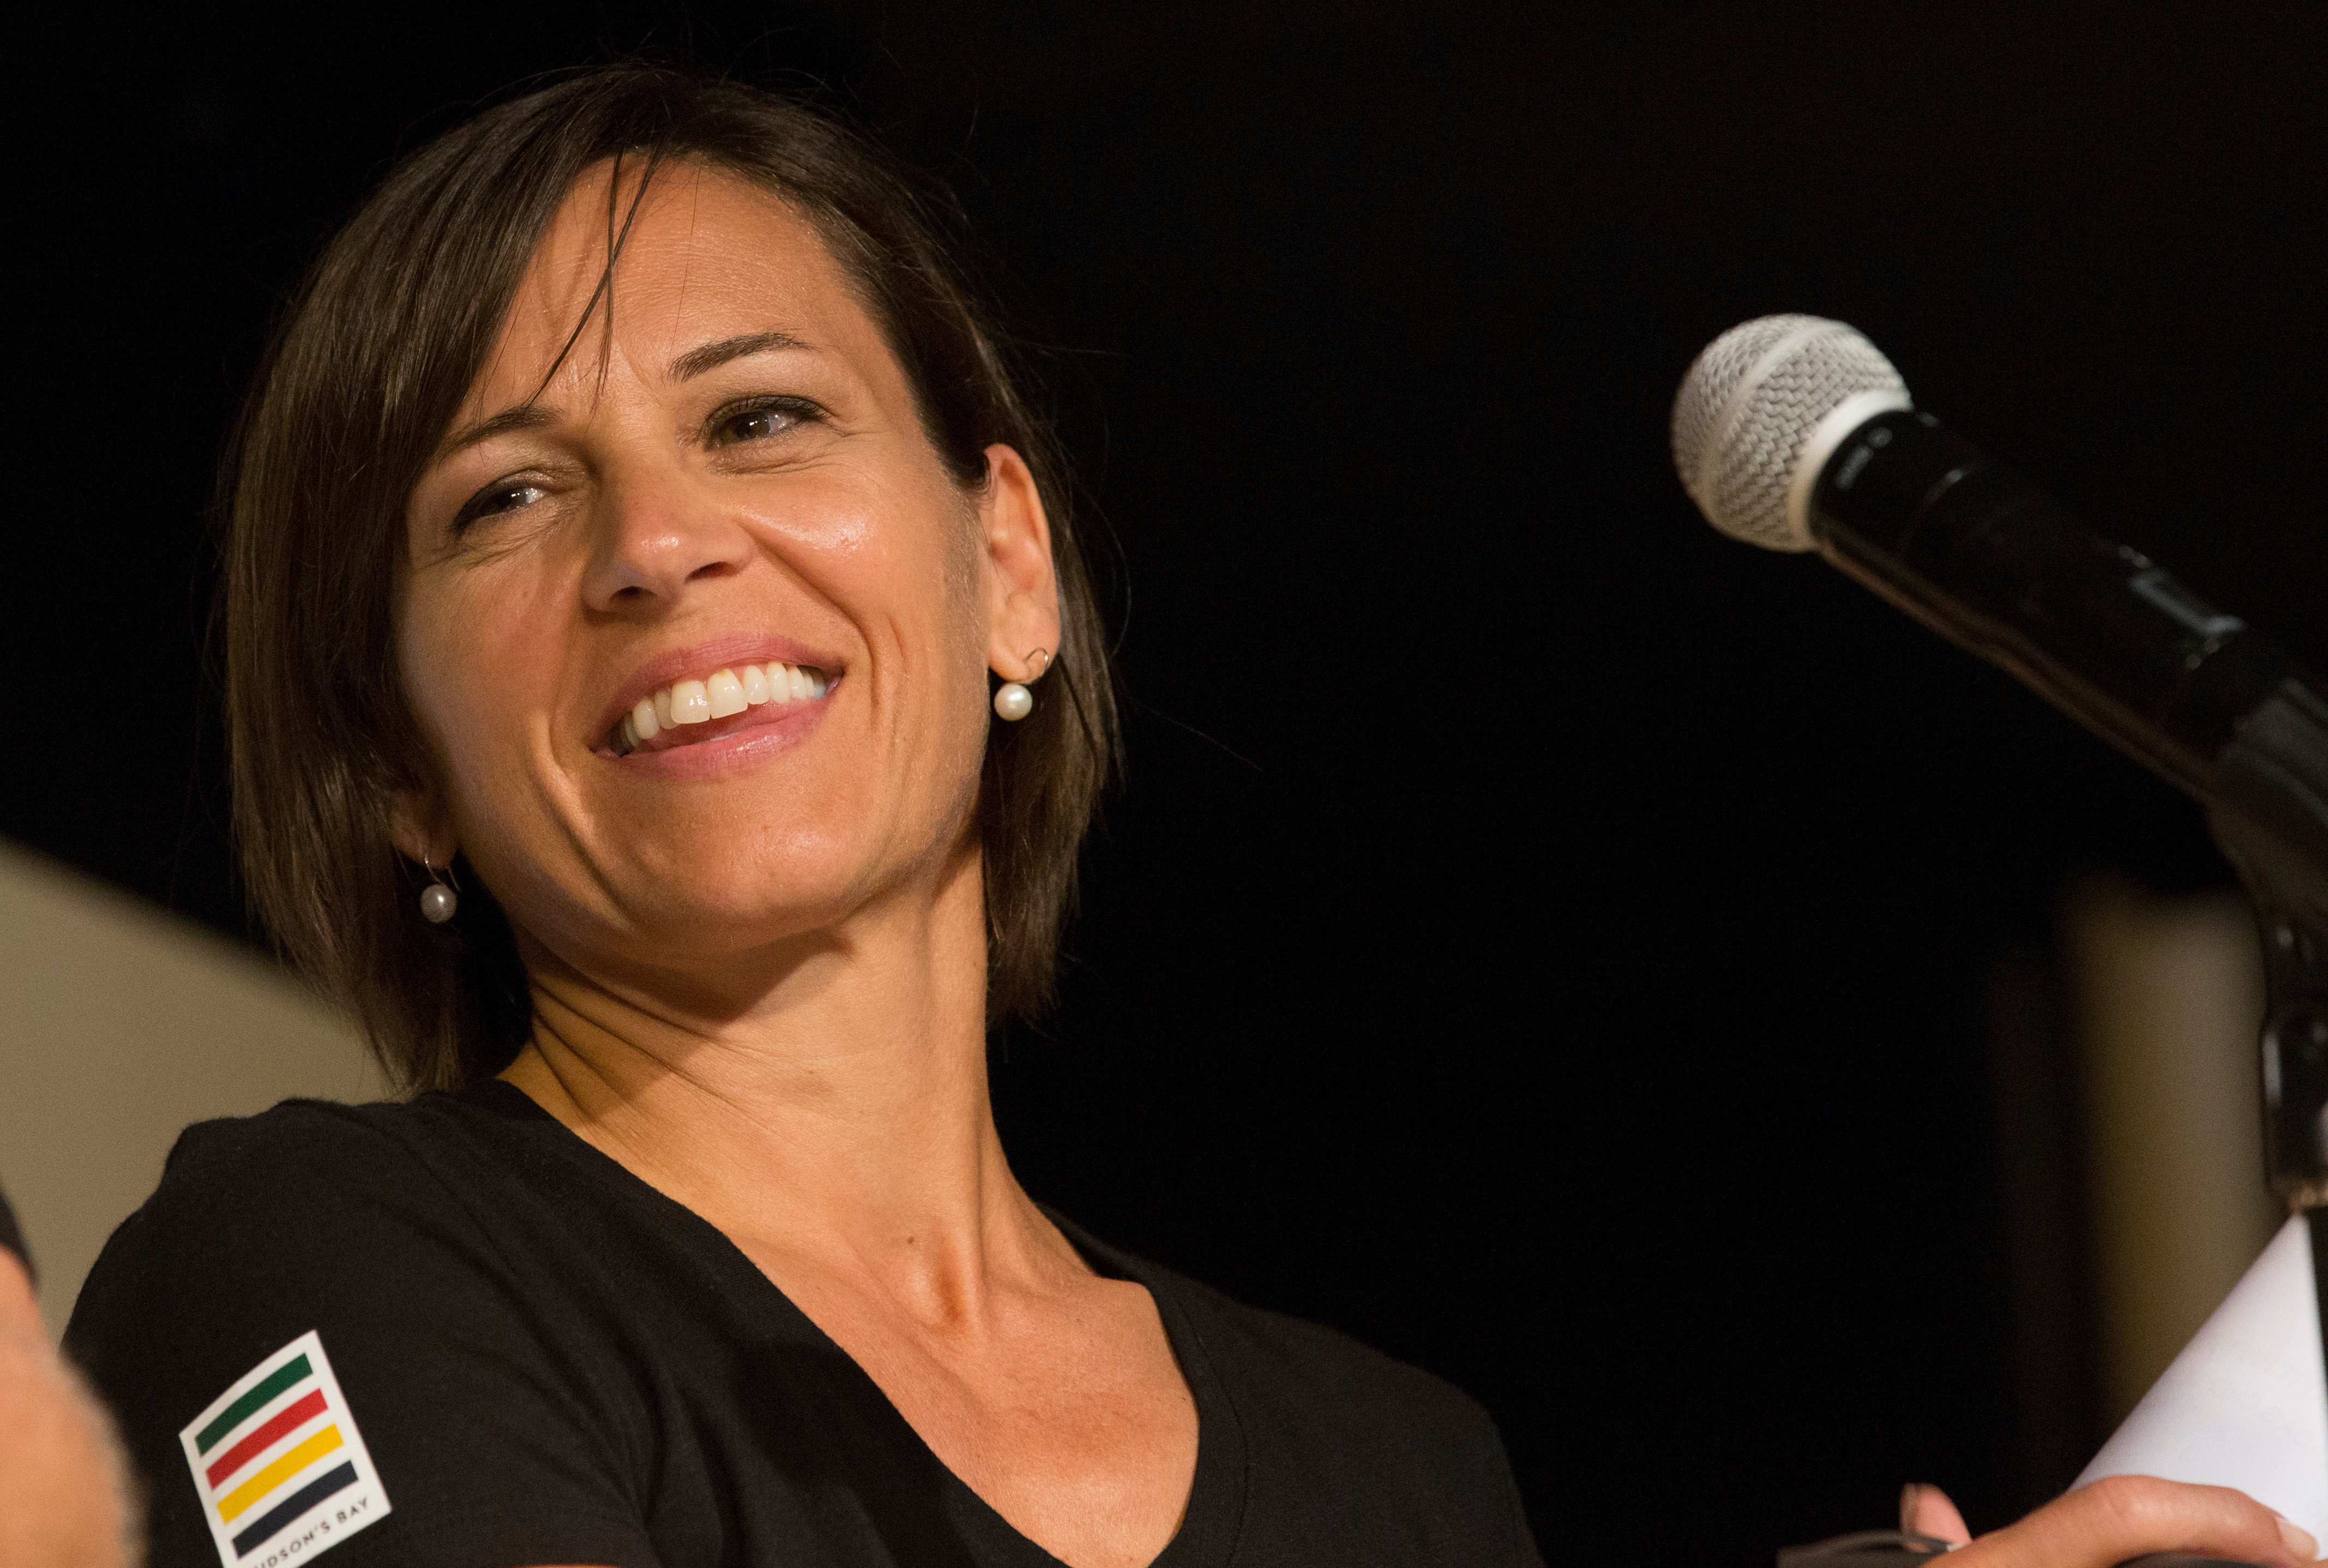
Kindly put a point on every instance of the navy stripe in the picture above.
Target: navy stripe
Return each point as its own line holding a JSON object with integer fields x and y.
{"x": 271, "y": 1522}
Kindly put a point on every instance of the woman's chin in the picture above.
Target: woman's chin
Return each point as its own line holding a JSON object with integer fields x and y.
{"x": 732, "y": 891}
{"x": 737, "y": 905}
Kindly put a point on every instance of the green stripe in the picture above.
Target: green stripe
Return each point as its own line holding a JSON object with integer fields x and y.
{"x": 294, "y": 1370}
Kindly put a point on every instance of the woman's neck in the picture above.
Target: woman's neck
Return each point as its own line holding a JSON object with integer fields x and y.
{"x": 840, "y": 1123}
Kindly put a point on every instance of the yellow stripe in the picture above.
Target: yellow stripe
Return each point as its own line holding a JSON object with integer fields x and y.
{"x": 239, "y": 1499}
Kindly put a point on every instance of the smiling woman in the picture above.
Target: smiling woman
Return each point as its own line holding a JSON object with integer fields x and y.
{"x": 639, "y": 516}
{"x": 439, "y": 280}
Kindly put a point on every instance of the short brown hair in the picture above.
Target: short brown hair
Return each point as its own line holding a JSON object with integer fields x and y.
{"x": 390, "y": 330}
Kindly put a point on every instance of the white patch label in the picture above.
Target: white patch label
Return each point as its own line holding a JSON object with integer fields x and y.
{"x": 281, "y": 1469}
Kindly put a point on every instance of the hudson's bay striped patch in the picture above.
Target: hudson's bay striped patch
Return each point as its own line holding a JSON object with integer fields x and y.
{"x": 278, "y": 1461}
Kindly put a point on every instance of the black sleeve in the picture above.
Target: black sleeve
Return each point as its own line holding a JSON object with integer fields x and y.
{"x": 493, "y": 1422}
{"x": 1524, "y": 1551}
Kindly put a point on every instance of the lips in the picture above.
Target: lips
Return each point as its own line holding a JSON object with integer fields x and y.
{"x": 673, "y": 677}
{"x": 722, "y": 747}
{"x": 690, "y": 711}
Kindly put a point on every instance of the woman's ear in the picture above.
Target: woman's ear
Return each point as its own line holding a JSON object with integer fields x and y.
{"x": 1022, "y": 590}
{"x": 418, "y": 826}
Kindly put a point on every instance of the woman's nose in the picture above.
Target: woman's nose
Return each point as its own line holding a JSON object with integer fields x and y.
{"x": 655, "y": 535}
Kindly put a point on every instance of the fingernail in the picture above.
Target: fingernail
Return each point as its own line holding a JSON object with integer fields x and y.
{"x": 2305, "y": 1548}
{"x": 1909, "y": 1495}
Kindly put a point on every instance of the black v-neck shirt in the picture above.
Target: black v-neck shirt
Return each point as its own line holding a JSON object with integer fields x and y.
{"x": 548, "y": 1361}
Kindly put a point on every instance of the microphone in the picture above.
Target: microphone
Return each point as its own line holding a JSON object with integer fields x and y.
{"x": 1793, "y": 433}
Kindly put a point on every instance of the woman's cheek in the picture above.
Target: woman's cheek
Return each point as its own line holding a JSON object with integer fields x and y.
{"x": 490, "y": 639}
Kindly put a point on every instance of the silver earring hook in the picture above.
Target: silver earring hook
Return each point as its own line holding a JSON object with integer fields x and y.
{"x": 442, "y": 896}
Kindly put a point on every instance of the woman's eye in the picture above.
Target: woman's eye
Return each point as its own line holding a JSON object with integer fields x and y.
{"x": 496, "y": 499}
{"x": 758, "y": 421}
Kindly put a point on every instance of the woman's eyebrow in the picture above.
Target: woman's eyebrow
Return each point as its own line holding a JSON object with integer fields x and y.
{"x": 711, "y": 356}
{"x": 523, "y": 417}
{"x": 694, "y": 362}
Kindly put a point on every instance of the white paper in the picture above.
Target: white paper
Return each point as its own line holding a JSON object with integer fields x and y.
{"x": 2246, "y": 1404}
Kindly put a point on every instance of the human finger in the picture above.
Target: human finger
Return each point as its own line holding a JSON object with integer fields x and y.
{"x": 2121, "y": 1517}
{"x": 1926, "y": 1510}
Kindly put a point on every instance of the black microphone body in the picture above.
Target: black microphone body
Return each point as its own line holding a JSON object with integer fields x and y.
{"x": 1966, "y": 544}
{"x": 1978, "y": 553}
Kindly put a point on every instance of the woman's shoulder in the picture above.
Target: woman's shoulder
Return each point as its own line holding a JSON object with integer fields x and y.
{"x": 405, "y": 1261}
{"x": 314, "y": 1203}
{"x": 302, "y": 1185}
{"x": 1334, "y": 1427}
{"x": 322, "y": 1165}
{"x": 372, "y": 1222}
{"x": 298, "y": 1148}
{"x": 1303, "y": 1364}
{"x": 1290, "y": 1357}
{"x": 263, "y": 1226}
{"x": 358, "y": 1141}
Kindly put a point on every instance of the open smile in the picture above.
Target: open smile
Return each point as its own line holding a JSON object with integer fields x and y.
{"x": 735, "y": 698}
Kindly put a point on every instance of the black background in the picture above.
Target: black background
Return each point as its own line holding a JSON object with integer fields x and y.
{"x": 1552, "y": 943}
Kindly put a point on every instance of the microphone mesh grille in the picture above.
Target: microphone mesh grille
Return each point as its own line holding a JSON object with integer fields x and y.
{"x": 1748, "y": 406}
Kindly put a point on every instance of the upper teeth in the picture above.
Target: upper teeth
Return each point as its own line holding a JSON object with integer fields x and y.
{"x": 728, "y": 692}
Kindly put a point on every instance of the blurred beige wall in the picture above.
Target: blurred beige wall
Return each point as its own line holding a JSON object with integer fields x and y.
{"x": 119, "y": 1024}
{"x": 2168, "y": 994}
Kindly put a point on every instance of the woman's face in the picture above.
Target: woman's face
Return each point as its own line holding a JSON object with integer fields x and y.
{"x": 734, "y": 478}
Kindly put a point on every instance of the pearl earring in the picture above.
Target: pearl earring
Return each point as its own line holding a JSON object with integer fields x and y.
{"x": 438, "y": 901}
{"x": 1013, "y": 701}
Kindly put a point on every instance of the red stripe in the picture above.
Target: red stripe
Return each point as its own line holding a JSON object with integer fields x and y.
{"x": 289, "y": 1416}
